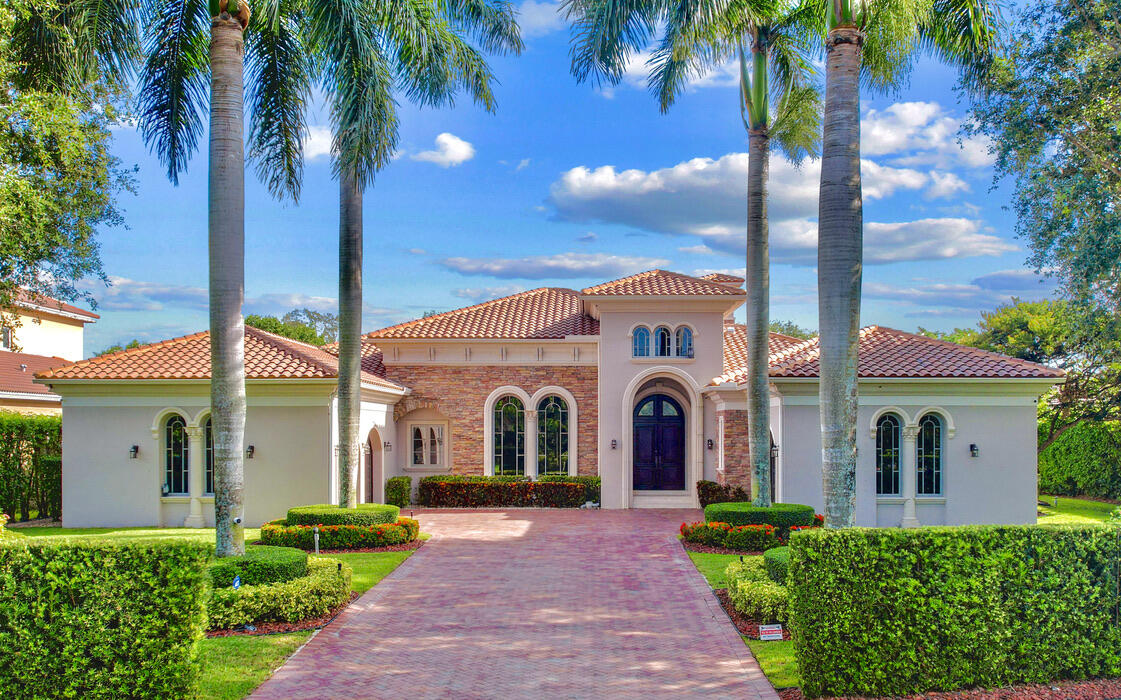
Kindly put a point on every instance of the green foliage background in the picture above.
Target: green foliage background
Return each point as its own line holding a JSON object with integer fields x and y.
{"x": 30, "y": 466}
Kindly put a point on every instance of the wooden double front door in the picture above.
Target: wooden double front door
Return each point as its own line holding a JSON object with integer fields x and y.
{"x": 659, "y": 444}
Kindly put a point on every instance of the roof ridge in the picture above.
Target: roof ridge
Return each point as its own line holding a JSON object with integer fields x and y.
{"x": 285, "y": 345}
{"x": 98, "y": 359}
{"x": 612, "y": 284}
{"x": 453, "y": 312}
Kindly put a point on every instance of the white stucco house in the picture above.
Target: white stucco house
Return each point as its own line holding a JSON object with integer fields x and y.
{"x": 637, "y": 380}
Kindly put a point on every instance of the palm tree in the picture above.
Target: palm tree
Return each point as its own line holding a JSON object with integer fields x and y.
{"x": 425, "y": 48}
{"x": 873, "y": 41}
{"x": 777, "y": 100}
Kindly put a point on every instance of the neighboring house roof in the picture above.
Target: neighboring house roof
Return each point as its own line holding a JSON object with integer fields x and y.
{"x": 888, "y": 353}
{"x": 661, "y": 283}
{"x": 735, "y": 351}
{"x": 31, "y": 301}
{"x": 722, "y": 278}
{"x": 18, "y": 370}
{"x": 267, "y": 356}
{"x": 545, "y": 313}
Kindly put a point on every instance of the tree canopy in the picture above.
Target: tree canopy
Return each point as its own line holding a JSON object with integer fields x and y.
{"x": 304, "y": 325}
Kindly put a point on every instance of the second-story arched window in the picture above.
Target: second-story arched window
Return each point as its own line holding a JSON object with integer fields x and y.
{"x": 640, "y": 341}
{"x": 663, "y": 342}
{"x": 684, "y": 341}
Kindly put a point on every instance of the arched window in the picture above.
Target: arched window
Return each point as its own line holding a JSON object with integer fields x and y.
{"x": 552, "y": 436}
{"x": 663, "y": 342}
{"x": 684, "y": 341}
{"x": 427, "y": 443}
{"x": 887, "y": 455}
{"x": 929, "y": 456}
{"x": 209, "y": 456}
{"x": 509, "y": 436}
{"x": 175, "y": 456}
{"x": 641, "y": 342}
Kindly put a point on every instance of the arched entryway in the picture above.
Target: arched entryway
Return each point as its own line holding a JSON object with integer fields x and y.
{"x": 659, "y": 444}
{"x": 372, "y": 469}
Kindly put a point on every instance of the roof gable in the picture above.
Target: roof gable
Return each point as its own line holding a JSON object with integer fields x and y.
{"x": 662, "y": 283}
{"x": 38, "y": 302}
{"x": 18, "y": 370}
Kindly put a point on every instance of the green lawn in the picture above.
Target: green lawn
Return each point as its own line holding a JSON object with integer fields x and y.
{"x": 712, "y": 566}
{"x": 777, "y": 661}
{"x": 205, "y": 534}
{"x": 1074, "y": 511}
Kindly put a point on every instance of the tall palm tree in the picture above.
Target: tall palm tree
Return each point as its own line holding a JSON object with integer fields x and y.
{"x": 431, "y": 50}
{"x": 778, "y": 101}
{"x": 872, "y": 41}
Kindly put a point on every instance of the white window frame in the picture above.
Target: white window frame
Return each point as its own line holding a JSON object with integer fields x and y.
{"x": 425, "y": 426}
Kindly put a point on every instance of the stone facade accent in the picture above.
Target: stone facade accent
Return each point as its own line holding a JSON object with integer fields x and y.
{"x": 460, "y": 393}
{"x": 736, "y": 449}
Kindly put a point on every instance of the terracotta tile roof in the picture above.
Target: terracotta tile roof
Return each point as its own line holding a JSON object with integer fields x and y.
{"x": 267, "y": 356}
{"x": 662, "y": 283}
{"x": 371, "y": 357}
{"x": 722, "y": 278}
{"x": 886, "y": 352}
{"x": 735, "y": 351}
{"x": 25, "y": 298}
{"x": 18, "y": 369}
{"x": 548, "y": 312}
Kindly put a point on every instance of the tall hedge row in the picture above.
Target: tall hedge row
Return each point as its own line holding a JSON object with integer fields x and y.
{"x": 30, "y": 465}
{"x": 897, "y": 612}
{"x": 1085, "y": 460}
{"x": 101, "y": 620}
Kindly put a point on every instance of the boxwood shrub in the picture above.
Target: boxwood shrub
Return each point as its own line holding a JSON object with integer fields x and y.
{"x": 777, "y": 563}
{"x": 326, "y": 587}
{"x": 259, "y": 564}
{"x": 364, "y": 514}
{"x": 497, "y": 492}
{"x": 591, "y": 483}
{"x": 900, "y": 612}
{"x": 101, "y": 620}
{"x": 755, "y": 595}
{"x": 280, "y": 534}
{"x": 399, "y": 490}
{"x": 782, "y": 515}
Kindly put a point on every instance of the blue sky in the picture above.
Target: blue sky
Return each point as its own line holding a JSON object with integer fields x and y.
{"x": 568, "y": 185}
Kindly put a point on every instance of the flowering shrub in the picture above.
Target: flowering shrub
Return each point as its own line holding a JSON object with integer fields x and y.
{"x": 280, "y": 534}
{"x": 747, "y": 538}
{"x": 496, "y": 492}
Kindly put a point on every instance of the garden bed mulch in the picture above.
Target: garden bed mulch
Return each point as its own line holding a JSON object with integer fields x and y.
{"x": 710, "y": 549}
{"x": 745, "y": 626}
{"x": 262, "y": 628}
{"x": 1108, "y": 689}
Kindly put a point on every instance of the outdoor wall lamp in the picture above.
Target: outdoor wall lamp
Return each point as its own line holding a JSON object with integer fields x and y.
{"x": 614, "y": 444}
{"x": 134, "y": 452}
{"x": 387, "y": 446}
{"x": 974, "y": 451}
{"x": 774, "y": 452}
{"x": 708, "y": 443}
{"x": 249, "y": 452}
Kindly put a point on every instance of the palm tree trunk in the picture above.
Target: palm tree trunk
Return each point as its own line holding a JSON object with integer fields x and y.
{"x": 227, "y": 280}
{"x": 350, "y": 335}
{"x": 758, "y": 316}
{"x": 839, "y": 260}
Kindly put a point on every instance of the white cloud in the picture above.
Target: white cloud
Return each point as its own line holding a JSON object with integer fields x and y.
{"x": 125, "y": 294}
{"x": 522, "y": 165}
{"x": 589, "y": 237}
{"x": 450, "y": 150}
{"x": 930, "y": 239}
{"x": 273, "y": 304}
{"x": 539, "y": 18}
{"x": 921, "y": 133}
{"x": 700, "y": 249}
{"x": 943, "y": 184}
{"x": 937, "y": 299}
{"x": 562, "y": 265}
{"x": 317, "y": 142}
{"x": 480, "y": 294}
{"x": 417, "y": 251}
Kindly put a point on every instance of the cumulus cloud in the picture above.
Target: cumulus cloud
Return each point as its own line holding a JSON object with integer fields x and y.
{"x": 450, "y": 151}
{"x": 317, "y": 142}
{"x": 272, "y": 304}
{"x": 480, "y": 294}
{"x": 539, "y": 18}
{"x": 125, "y": 294}
{"x": 701, "y": 249}
{"x": 931, "y": 298}
{"x": 943, "y": 184}
{"x": 563, "y": 265}
{"x": 522, "y": 165}
{"x": 921, "y": 133}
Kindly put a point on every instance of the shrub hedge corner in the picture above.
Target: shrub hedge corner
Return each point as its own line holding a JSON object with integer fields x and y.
{"x": 326, "y": 587}
{"x": 259, "y": 564}
{"x": 399, "y": 490}
{"x": 754, "y": 594}
{"x": 325, "y": 514}
{"x": 777, "y": 563}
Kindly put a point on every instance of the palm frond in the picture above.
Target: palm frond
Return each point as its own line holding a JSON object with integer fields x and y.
{"x": 173, "y": 91}
{"x": 606, "y": 33}
{"x": 797, "y": 124}
{"x": 46, "y": 52}
{"x": 890, "y": 39}
{"x": 963, "y": 33}
{"x": 108, "y": 31}
{"x": 493, "y": 24}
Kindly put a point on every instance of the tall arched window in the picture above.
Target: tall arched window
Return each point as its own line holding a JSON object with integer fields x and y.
{"x": 552, "y": 436}
{"x": 209, "y": 456}
{"x": 641, "y": 342}
{"x": 887, "y": 455}
{"x": 175, "y": 456}
{"x": 684, "y": 341}
{"x": 663, "y": 342}
{"x": 509, "y": 436}
{"x": 929, "y": 456}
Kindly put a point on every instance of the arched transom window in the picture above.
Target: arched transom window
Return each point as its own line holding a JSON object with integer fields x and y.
{"x": 175, "y": 456}
{"x": 552, "y": 436}
{"x": 888, "y": 433}
{"x": 684, "y": 341}
{"x": 509, "y": 436}
{"x": 928, "y": 453}
{"x": 641, "y": 342}
{"x": 663, "y": 342}
{"x": 209, "y": 456}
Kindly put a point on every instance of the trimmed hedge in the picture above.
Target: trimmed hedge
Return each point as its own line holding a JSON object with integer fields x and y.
{"x": 30, "y": 466}
{"x": 326, "y": 587}
{"x": 777, "y": 563}
{"x": 899, "y": 612}
{"x": 591, "y": 483}
{"x": 364, "y": 514}
{"x": 754, "y": 595}
{"x": 744, "y": 538}
{"x": 399, "y": 490}
{"x": 711, "y": 492}
{"x": 1083, "y": 461}
{"x": 472, "y": 479}
{"x": 279, "y": 533}
{"x": 101, "y": 620}
{"x": 259, "y": 564}
{"x": 782, "y": 515}
{"x": 497, "y": 492}
{"x": 6, "y": 534}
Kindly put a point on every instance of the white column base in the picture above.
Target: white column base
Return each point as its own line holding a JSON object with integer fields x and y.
{"x": 195, "y": 519}
{"x": 910, "y": 518}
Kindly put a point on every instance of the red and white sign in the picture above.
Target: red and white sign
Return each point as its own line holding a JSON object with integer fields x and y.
{"x": 770, "y": 633}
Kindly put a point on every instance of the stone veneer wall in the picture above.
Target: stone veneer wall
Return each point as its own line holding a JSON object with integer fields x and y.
{"x": 737, "y": 464}
{"x": 460, "y": 393}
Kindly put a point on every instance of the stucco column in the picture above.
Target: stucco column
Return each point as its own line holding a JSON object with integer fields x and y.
{"x": 909, "y": 481}
{"x": 196, "y": 468}
{"x": 531, "y": 443}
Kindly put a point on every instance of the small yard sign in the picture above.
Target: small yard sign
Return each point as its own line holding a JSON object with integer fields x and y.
{"x": 237, "y": 582}
{"x": 770, "y": 633}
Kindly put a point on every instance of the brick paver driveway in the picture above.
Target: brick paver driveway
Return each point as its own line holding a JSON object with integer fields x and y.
{"x": 532, "y": 604}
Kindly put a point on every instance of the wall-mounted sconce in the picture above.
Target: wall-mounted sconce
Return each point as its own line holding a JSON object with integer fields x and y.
{"x": 387, "y": 446}
{"x": 249, "y": 452}
{"x": 974, "y": 451}
{"x": 165, "y": 489}
{"x": 134, "y": 452}
{"x": 708, "y": 443}
{"x": 774, "y": 452}
{"x": 614, "y": 444}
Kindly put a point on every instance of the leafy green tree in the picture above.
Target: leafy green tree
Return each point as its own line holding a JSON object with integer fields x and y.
{"x": 872, "y": 41}
{"x": 288, "y": 329}
{"x": 792, "y": 329}
{"x": 326, "y": 325}
{"x": 130, "y": 345}
{"x": 1051, "y": 108}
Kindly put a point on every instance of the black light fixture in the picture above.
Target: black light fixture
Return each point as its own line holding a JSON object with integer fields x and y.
{"x": 387, "y": 446}
{"x": 134, "y": 452}
{"x": 708, "y": 443}
{"x": 249, "y": 452}
{"x": 614, "y": 444}
{"x": 974, "y": 451}
{"x": 774, "y": 451}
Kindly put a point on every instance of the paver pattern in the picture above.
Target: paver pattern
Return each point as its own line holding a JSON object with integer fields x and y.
{"x": 532, "y": 604}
